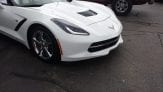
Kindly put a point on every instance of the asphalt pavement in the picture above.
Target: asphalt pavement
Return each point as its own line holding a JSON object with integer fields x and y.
{"x": 135, "y": 66}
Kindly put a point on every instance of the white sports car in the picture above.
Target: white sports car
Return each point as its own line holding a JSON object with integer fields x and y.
{"x": 61, "y": 30}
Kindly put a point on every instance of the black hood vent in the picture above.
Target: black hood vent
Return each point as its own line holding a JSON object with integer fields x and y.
{"x": 88, "y": 13}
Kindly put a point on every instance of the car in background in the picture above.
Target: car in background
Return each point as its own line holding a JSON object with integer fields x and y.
{"x": 158, "y": 0}
{"x": 122, "y": 7}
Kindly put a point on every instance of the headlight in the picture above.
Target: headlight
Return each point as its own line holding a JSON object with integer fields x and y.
{"x": 69, "y": 27}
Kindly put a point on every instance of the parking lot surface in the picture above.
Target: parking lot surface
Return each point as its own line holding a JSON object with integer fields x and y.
{"x": 135, "y": 66}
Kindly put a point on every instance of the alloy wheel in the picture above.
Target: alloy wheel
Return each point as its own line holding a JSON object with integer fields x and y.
{"x": 121, "y": 6}
{"x": 42, "y": 45}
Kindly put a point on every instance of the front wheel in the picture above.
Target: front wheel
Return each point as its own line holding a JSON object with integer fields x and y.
{"x": 122, "y": 7}
{"x": 44, "y": 45}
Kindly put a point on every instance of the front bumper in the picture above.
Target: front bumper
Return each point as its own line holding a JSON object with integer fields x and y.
{"x": 76, "y": 47}
{"x": 80, "y": 51}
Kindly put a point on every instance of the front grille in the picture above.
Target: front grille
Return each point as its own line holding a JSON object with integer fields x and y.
{"x": 103, "y": 44}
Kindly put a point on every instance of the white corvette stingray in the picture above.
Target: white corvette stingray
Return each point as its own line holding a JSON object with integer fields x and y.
{"x": 61, "y": 30}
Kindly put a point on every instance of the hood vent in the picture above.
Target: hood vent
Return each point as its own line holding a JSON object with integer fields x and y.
{"x": 88, "y": 13}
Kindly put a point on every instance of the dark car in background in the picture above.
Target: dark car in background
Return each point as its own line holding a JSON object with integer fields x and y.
{"x": 158, "y": 0}
{"x": 122, "y": 7}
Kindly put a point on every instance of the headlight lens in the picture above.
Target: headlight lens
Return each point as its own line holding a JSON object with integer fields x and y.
{"x": 69, "y": 27}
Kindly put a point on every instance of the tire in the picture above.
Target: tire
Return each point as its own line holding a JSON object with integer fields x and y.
{"x": 44, "y": 45}
{"x": 122, "y": 7}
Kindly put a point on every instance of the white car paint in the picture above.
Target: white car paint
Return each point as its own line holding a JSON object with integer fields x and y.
{"x": 102, "y": 26}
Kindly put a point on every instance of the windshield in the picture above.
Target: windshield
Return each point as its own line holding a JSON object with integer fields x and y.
{"x": 34, "y": 2}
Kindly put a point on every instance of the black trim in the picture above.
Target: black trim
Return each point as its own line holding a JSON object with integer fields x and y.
{"x": 20, "y": 24}
{"x": 98, "y": 46}
{"x": 88, "y": 13}
{"x": 9, "y": 2}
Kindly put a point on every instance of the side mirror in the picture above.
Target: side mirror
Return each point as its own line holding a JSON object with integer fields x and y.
{"x": 1, "y": 6}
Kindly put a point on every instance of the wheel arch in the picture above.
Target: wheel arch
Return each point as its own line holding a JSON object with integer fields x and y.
{"x": 30, "y": 30}
{"x": 34, "y": 25}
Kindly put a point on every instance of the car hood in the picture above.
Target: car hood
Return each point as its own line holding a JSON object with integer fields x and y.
{"x": 74, "y": 12}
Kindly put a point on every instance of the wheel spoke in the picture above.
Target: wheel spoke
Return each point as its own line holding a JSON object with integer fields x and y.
{"x": 118, "y": 5}
{"x": 35, "y": 48}
{"x": 123, "y": 1}
{"x": 37, "y": 41}
{"x": 41, "y": 35}
{"x": 47, "y": 52}
{"x": 48, "y": 43}
{"x": 41, "y": 53}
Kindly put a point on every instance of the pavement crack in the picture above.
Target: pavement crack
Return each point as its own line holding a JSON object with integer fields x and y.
{"x": 143, "y": 23}
{"x": 132, "y": 34}
{"x": 161, "y": 41}
{"x": 143, "y": 31}
{"x": 55, "y": 82}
